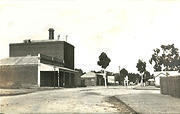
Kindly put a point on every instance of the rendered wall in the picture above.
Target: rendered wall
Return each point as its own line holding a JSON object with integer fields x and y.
{"x": 17, "y": 76}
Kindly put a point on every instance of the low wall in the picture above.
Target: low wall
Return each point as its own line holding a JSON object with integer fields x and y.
{"x": 17, "y": 76}
{"x": 170, "y": 86}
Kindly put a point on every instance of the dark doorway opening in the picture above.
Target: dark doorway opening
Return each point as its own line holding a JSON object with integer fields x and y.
{"x": 48, "y": 78}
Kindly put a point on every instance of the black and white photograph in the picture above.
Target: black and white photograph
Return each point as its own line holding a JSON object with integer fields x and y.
{"x": 90, "y": 56}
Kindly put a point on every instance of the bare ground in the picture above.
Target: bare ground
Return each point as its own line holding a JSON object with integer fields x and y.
{"x": 76, "y": 100}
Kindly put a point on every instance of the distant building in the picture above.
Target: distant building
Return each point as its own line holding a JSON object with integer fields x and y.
{"x": 92, "y": 79}
{"x": 39, "y": 63}
{"x": 159, "y": 74}
{"x": 111, "y": 80}
{"x": 96, "y": 79}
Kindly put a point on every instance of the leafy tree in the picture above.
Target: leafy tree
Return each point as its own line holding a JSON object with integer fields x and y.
{"x": 104, "y": 61}
{"x": 167, "y": 58}
{"x": 141, "y": 66}
{"x": 117, "y": 77}
{"x": 138, "y": 78}
{"x": 123, "y": 74}
{"x": 157, "y": 60}
{"x": 109, "y": 73}
{"x": 133, "y": 77}
{"x": 146, "y": 76}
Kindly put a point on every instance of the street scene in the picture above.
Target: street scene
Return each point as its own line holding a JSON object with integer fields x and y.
{"x": 88, "y": 56}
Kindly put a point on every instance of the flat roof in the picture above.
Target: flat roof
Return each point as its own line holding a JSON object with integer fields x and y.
{"x": 40, "y": 42}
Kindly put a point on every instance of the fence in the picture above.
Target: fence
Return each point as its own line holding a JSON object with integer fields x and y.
{"x": 170, "y": 86}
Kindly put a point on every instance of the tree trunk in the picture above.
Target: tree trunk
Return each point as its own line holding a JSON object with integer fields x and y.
{"x": 141, "y": 79}
{"x": 105, "y": 83}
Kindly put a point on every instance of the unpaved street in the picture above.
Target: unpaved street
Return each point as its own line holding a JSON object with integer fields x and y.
{"x": 92, "y": 99}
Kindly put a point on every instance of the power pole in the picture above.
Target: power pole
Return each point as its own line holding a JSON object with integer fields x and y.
{"x": 119, "y": 75}
{"x": 54, "y": 70}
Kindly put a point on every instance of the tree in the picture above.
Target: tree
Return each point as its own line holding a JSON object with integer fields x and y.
{"x": 141, "y": 66}
{"x": 133, "y": 77}
{"x": 146, "y": 76}
{"x": 167, "y": 58}
{"x": 123, "y": 73}
{"x": 157, "y": 60}
{"x": 117, "y": 77}
{"x": 104, "y": 61}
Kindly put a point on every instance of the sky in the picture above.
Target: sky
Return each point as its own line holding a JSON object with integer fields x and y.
{"x": 126, "y": 30}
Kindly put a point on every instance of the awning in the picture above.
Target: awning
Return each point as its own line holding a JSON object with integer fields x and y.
{"x": 66, "y": 69}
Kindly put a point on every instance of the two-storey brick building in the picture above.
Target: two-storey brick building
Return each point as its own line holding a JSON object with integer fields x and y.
{"x": 39, "y": 63}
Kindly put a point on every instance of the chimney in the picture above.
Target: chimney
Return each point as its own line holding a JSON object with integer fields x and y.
{"x": 51, "y": 33}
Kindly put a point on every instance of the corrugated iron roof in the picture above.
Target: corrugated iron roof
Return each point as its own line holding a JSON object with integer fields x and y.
{"x": 19, "y": 60}
{"x": 164, "y": 73}
{"x": 28, "y": 60}
{"x": 89, "y": 75}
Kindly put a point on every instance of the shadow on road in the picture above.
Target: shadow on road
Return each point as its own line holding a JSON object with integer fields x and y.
{"x": 120, "y": 105}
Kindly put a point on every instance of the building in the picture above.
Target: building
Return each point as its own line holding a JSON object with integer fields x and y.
{"x": 78, "y": 81}
{"x": 39, "y": 63}
{"x": 111, "y": 80}
{"x": 158, "y": 75}
{"x": 92, "y": 79}
{"x": 53, "y": 48}
{"x": 96, "y": 79}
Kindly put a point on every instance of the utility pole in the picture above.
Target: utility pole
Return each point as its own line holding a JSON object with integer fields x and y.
{"x": 119, "y": 74}
{"x": 54, "y": 70}
{"x": 105, "y": 78}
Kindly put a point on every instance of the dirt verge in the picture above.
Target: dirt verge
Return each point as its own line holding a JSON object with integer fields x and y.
{"x": 12, "y": 92}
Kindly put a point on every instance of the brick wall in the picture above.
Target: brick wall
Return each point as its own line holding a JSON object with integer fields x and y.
{"x": 69, "y": 56}
{"x": 58, "y": 49}
{"x": 16, "y": 76}
{"x": 53, "y": 49}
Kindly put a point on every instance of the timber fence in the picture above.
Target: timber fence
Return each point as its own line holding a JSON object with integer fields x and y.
{"x": 170, "y": 86}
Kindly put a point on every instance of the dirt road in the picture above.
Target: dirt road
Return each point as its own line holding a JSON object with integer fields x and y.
{"x": 94, "y": 99}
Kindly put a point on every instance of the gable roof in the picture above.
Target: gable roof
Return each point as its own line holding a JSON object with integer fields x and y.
{"x": 164, "y": 73}
{"x": 89, "y": 75}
